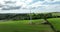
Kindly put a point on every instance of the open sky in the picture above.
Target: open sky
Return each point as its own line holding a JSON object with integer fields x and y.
{"x": 29, "y": 6}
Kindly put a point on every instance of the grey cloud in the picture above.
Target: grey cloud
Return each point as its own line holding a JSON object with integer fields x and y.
{"x": 51, "y": 3}
{"x": 9, "y": 2}
{"x": 11, "y": 8}
{"x": 1, "y": 5}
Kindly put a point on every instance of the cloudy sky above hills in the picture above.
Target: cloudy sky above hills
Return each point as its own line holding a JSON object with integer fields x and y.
{"x": 29, "y": 6}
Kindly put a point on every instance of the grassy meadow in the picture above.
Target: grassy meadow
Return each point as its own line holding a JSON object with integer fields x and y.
{"x": 55, "y": 22}
{"x": 24, "y": 26}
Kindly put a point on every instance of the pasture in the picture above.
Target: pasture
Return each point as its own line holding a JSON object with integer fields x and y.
{"x": 24, "y": 26}
{"x": 55, "y": 22}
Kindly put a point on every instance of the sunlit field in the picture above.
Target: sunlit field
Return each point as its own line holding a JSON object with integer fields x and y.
{"x": 55, "y": 22}
{"x": 24, "y": 26}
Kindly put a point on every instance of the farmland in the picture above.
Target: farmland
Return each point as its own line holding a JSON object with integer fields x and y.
{"x": 55, "y": 22}
{"x": 24, "y": 26}
{"x": 23, "y": 23}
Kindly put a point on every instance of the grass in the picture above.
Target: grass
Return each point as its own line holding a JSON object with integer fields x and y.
{"x": 24, "y": 26}
{"x": 55, "y": 22}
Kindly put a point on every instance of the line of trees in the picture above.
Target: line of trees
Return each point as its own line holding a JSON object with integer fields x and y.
{"x": 25, "y": 16}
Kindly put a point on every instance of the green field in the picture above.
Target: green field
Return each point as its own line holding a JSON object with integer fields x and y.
{"x": 55, "y": 22}
{"x": 24, "y": 26}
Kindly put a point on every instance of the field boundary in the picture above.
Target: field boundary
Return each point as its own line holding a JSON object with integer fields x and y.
{"x": 52, "y": 27}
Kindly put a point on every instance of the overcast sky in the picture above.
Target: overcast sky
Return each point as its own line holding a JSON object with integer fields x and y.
{"x": 29, "y": 6}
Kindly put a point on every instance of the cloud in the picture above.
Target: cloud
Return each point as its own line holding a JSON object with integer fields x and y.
{"x": 11, "y": 8}
{"x": 36, "y": 6}
{"x": 51, "y": 3}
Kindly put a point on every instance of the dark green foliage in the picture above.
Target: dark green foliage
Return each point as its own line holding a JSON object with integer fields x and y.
{"x": 27, "y": 16}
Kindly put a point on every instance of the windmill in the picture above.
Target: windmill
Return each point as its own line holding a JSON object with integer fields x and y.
{"x": 31, "y": 8}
